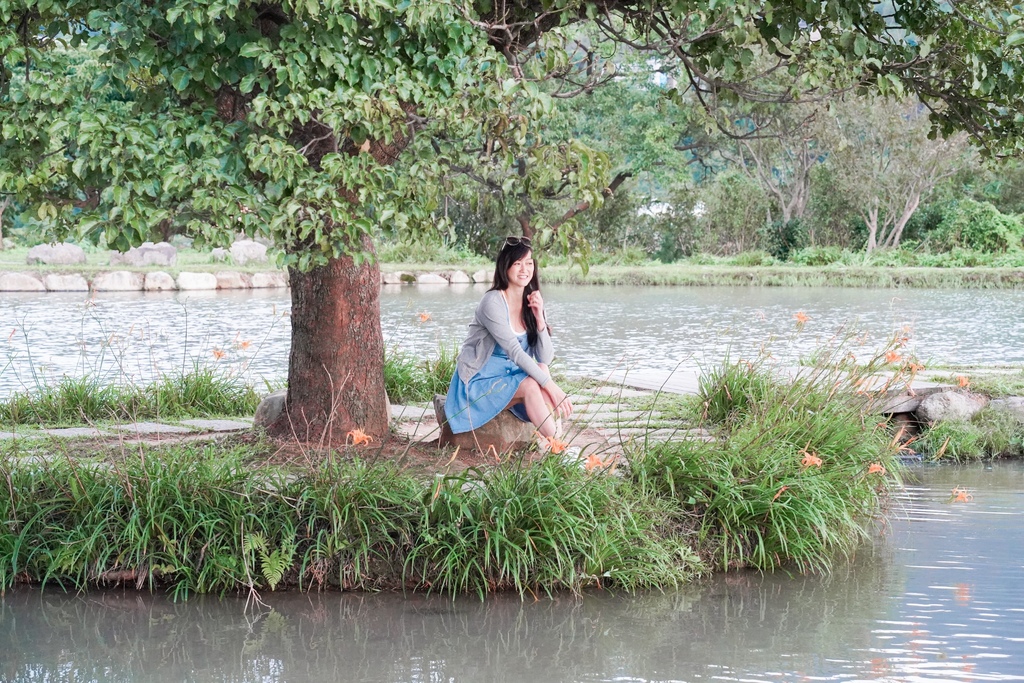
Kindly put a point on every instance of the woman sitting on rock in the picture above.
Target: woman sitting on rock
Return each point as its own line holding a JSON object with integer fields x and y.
{"x": 504, "y": 360}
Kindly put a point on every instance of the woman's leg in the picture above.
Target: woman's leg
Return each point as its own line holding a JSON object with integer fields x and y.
{"x": 538, "y": 409}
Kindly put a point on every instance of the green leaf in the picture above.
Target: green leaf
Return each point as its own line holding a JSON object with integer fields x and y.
{"x": 1014, "y": 39}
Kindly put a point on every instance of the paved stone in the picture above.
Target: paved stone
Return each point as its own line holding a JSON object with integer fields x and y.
{"x": 152, "y": 428}
{"x": 218, "y": 425}
{"x": 619, "y": 392}
{"x": 399, "y": 412}
{"x": 74, "y": 432}
{"x": 9, "y": 435}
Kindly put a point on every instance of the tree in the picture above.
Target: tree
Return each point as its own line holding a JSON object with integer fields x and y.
{"x": 315, "y": 121}
{"x": 887, "y": 162}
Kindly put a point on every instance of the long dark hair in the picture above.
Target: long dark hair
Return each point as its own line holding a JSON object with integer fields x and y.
{"x": 509, "y": 254}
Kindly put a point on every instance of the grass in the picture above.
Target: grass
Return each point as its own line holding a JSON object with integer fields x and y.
{"x": 208, "y": 520}
{"x": 198, "y": 393}
{"x": 410, "y": 379}
{"x": 796, "y": 473}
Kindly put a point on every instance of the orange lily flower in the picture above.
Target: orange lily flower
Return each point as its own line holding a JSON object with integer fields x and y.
{"x": 359, "y": 437}
{"x": 801, "y": 317}
{"x": 244, "y": 345}
{"x": 218, "y": 354}
{"x": 962, "y": 381}
{"x": 556, "y": 445}
{"x": 810, "y": 459}
{"x": 596, "y": 462}
{"x": 892, "y": 357}
{"x": 961, "y": 495}
{"x": 424, "y": 316}
{"x": 779, "y": 493}
{"x": 876, "y": 468}
{"x": 914, "y": 367}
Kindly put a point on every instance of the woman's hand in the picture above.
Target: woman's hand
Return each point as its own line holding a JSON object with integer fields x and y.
{"x": 559, "y": 399}
{"x": 536, "y": 303}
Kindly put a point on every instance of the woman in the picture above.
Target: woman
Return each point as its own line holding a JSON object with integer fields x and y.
{"x": 504, "y": 361}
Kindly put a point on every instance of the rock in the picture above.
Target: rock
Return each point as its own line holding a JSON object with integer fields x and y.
{"x": 219, "y": 255}
{"x": 430, "y": 279}
{"x": 159, "y": 282}
{"x": 398, "y": 278}
{"x": 950, "y": 406}
{"x": 270, "y": 408}
{"x": 197, "y": 281}
{"x": 118, "y": 281}
{"x": 57, "y": 282}
{"x": 146, "y": 254}
{"x": 245, "y": 251}
{"x": 181, "y": 242}
{"x": 504, "y": 432}
{"x": 1013, "y": 404}
{"x": 485, "y": 277}
{"x": 20, "y": 282}
{"x": 229, "y": 279}
{"x": 59, "y": 254}
{"x": 8, "y": 243}
{"x": 458, "y": 277}
{"x": 217, "y": 425}
{"x": 269, "y": 280}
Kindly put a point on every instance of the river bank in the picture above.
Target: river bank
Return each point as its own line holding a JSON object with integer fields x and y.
{"x": 197, "y": 271}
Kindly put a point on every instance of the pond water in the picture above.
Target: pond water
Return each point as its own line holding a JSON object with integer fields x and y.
{"x": 939, "y": 597}
{"x": 598, "y": 330}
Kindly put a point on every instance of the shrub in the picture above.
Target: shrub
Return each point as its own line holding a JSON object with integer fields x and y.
{"x": 780, "y": 238}
{"x": 979, "y": 226}
{"x": 818, "y": 256}
{"x": 952, "y": 440}
{"x": 795, "y": 475}
{"x": 753, "y": 258}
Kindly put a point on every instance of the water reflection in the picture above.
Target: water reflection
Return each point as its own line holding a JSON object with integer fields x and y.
{"x": 940, "y": 598}
{"x": 138, "y": 336}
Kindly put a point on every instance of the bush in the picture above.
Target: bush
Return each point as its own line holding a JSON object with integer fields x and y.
{"x": 978, "y": 226}
{"x": 794, "y": 476}
{"x": 780, "y": 238}
{"x": 818, "y": 256}
{"x": 753, "y": 258}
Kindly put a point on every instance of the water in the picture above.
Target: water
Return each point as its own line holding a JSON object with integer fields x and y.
{"x": 939, "y": 598}
{"x": 137, "y": 336}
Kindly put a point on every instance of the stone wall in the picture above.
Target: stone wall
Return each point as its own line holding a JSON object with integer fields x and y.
{"x": 157, "y": 281}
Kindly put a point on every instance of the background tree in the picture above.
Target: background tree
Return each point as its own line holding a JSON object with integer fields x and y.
{"x": 887, "y": 162}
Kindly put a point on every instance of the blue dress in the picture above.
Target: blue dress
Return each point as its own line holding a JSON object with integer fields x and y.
{"x": 469, "y": 406}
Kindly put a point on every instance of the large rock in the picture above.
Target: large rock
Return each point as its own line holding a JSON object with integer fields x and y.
{"x": 430, "y": 279}
{"x": 270, "y": 408}
{"x": 397, "y": 278}
{"x": 230, "y": 279}
{"x": 504, "y": 432}
{"x": 1013, "y": 404}
{"x": 197, "y": 281}
{"x": 118, "y": 281}
{"x": 60, "y": 282}
{"x": 59, "y": 254}
{"x": 485, "y": 277}
{"x": 458, "y": 277}
{"x": 219, "y": 255}
{"x": 20, "y": 282}
{"x": 246, "y": 251}
{"x": 950, "y": 406}
{"x": 269, "y": 280}
{"x": 146, "y": 254}
{"x": 159, "y": 281}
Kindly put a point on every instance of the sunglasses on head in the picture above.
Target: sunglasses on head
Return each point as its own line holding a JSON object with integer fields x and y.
{"x": 516, "y": 241}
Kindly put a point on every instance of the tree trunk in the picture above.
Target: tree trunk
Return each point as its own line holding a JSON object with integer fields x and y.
{"x": 3, "y": 207}
{"x": 336, "y": 366}
{"x": 908, "y": 212}
{"x": 871, "y": 220}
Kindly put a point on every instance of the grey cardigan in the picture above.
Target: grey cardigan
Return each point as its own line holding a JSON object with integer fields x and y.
{"x": 490, "y": 326}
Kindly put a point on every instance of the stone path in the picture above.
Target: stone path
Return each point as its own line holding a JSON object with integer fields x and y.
{"x": 608, "y": 417}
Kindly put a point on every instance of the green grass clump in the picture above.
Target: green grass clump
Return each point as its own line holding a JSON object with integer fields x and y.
{"x": 409, "y": 379}
{"x": 789, "y": 478}
{"x": 990, "y": 433}
{"x": 209, "y": 520}
{"x": 71, "y": 401}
